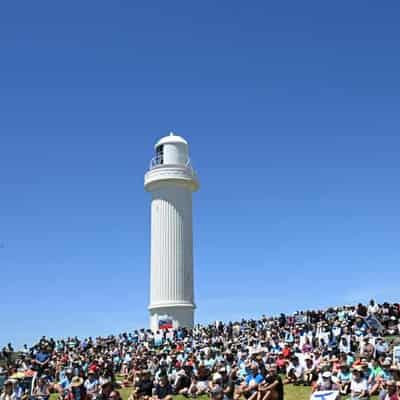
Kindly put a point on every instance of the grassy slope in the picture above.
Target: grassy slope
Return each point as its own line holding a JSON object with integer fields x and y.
{"x": 291, "y": 393}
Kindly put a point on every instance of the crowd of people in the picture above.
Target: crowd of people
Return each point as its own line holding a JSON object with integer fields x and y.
{"x": 342, "y": 349}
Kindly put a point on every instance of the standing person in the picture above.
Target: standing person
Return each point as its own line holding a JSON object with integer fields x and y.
{"x": 373, "y": 308}
{"x": 41, "y": 360}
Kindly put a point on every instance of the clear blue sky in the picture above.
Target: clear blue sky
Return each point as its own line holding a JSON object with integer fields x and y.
{"x": 292, "y": 111}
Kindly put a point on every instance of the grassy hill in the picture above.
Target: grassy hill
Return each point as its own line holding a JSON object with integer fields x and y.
{"x": 291, "y": 393}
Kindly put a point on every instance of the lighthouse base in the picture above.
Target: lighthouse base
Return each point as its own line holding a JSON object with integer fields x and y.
{"x": 171, "y": 317}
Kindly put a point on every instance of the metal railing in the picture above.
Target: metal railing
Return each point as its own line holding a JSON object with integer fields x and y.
{"x": 158, "y": 160}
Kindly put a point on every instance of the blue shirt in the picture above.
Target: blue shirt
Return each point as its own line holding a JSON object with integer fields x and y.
{"x": 251, "y": 379}
{"x": 42, "y": 357}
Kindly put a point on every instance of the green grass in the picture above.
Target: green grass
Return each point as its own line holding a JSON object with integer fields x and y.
{"x": 291, "y": 393}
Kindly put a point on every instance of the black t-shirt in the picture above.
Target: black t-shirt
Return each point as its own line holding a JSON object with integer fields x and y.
{"x": 145, "y": 387}
{"x": 270, "y": 379}
{"x": 183, "y": 382}
{"x": 163, "y": 391}
{"x": 229, "y": 385}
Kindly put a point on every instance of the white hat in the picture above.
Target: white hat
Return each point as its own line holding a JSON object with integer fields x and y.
{"x": 327, "y": 375}
{"x": 216, "y": 377}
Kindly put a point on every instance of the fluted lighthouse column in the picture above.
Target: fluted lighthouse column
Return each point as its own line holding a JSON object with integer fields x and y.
{"x": 171, "y": 180}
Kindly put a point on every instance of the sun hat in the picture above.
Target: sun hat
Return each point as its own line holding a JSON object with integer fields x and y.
{"x": 387, "y": 362}
{"x": 106, "y": 382}
{"x": 76, "y": 381}
{"x": 216, "y": 377}
{"x": 327, "y": 375}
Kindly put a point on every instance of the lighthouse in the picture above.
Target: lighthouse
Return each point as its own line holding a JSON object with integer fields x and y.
{"x": 171, "y": 181}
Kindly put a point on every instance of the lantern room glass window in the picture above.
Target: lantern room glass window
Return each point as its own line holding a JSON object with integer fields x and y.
{"x": 159, "y": 155}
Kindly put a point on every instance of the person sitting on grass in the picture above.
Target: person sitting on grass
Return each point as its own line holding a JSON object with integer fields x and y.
{"x": 325, "y": 382}
{"x": 228, "y": 382}
{"x": 163, "y": 390}
{"x": 182, "y": 383}
{"x": 76, "y": 389}
{"x": 390, "y": 392}
{"x": 8, "y": 391}
{"x": 41, "y": 391}
{"x": 310, "y": 372}
{"x": 359, "y": 385}
{"x": 92, "y": 385}
{"x": 106, "y": 389}
{"x": 249, "y": 388}
{"x": 381, "y": 376}
{"x": 344, "y": 379}
{"x": 217, "y": 393}
{"x": 144, "y": 385}
{"x": 272, "y": 387}
{"x": 295, "y": 372}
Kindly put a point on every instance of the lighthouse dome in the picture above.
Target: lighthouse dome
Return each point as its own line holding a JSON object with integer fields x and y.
{"x": 172, "y": 150}
{"x": 171, "y": 138}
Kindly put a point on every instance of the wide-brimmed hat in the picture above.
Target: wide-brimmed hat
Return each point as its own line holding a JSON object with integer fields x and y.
{"x": 327, "y": 375}
{"x": 216, "y": 377}
{"x": 18, "y": 375}
{"x": 106, "y": 382}
{"x": 386, "y": 363}
{"x": 76, "y": 381}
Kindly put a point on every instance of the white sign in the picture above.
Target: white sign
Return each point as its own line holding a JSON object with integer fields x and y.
{"x": 396, "y": 355}
{"x": 325, "y": 395}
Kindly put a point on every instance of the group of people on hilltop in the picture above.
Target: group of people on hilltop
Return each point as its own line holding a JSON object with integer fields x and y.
{"x": 339, "y": 349}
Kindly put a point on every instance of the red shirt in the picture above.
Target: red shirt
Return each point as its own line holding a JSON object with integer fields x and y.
{"x": 287, "y": 352}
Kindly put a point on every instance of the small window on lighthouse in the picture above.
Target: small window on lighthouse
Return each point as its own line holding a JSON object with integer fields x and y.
{"x": 159, "y": 155}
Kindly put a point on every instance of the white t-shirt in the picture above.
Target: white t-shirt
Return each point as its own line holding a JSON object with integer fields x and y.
{"x": 358, "y": 387}
{"x": 373, "y": 309}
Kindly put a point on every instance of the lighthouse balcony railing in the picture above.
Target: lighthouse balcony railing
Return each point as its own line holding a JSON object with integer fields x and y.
{"x": 158, "y": 161}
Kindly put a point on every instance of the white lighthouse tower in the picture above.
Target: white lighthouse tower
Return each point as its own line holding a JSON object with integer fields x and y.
{"x": 171, "y": 181}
